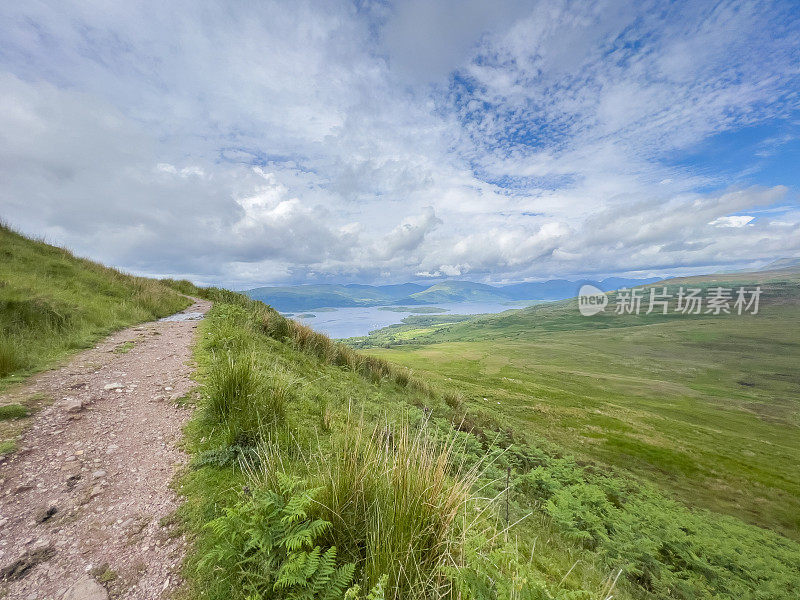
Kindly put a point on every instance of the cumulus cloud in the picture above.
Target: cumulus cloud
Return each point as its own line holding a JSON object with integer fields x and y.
{"x": 409, "y": 235}
{"x": 248, "y": 145}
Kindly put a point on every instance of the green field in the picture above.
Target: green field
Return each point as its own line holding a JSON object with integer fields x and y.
{"x": 706, "y": 407}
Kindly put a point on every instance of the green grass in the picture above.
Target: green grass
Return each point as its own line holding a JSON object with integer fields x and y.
{"x": 11, "y": 356}
{"x": 53, "y": 303}
{"x": 394, "y": 506}
{"x": 245, "y": 398}
{"x": 12, "y": 411}
{"x": 353, "y": 437}
{"x": 7, "y": 447}
{"x": 16, "y": 413}
{"x": 707, "y": 408}
{"x": 124, "y": 347}
{"x": 372, "y": 453}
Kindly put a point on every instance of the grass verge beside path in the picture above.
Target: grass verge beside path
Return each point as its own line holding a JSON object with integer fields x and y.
{"x": 53, "y": 303}
{"x": 316, "y": 469}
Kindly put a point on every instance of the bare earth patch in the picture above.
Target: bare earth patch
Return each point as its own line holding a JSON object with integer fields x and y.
{"x": 83, "y": 501}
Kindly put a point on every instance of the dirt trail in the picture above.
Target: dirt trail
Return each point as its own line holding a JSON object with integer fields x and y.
{"x": 84, "y": 500}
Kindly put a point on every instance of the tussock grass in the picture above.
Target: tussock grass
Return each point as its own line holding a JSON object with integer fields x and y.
{"x": 395, "y": 504}
{"x": 455, "y": 400}
{"x": 231, "y": 385}
{"x": 398, "y": 508}
{"x": 247, "y": 401}
{"x": 11, "y": 356}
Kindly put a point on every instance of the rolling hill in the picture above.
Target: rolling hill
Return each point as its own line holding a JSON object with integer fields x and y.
{"x": 705, "y": 406}
{"x": 307, "y": 297}
{"x": 459, "y": 291}
{"x": 783, "y": 263}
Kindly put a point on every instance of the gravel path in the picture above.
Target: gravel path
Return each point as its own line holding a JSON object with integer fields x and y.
{"x": 85, "y": 502}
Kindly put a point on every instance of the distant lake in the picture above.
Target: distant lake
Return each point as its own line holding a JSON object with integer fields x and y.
{"x": 356, "y": 321}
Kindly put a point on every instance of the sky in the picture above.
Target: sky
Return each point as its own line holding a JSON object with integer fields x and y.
{"x": 254, "y": 143}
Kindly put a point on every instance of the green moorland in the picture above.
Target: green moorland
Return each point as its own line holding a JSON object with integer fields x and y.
{"x": 317, "y": 469}
{"x": 706, "y": 407}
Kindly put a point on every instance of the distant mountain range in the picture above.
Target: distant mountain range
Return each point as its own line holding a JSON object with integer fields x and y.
{"x": 782, "y": 263}
{"x": 305, "y": 297}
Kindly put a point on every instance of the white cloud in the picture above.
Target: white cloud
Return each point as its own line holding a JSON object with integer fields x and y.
{"x": 409, "y": 235}
{"x": 246, "y": 145}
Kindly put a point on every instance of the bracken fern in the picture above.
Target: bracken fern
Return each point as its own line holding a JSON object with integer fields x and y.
{"x": 267, "y": 548}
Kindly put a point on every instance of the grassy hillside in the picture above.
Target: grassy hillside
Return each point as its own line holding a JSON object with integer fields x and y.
{"x": 316, "y": 468}
{"x": 706, "y": 407}
{"x": 459, "y": 291}
{"x": 52, "y": 303}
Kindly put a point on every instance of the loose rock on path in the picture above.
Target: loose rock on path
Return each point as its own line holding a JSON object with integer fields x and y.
{"x": 85, "y": 501}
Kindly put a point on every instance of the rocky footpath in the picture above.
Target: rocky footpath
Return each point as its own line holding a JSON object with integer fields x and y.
{"x": 86, "y": 503}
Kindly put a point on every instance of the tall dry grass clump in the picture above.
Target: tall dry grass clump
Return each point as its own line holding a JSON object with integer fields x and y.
{"x": 274, "y": 324}
{"x": 396, "y": 507}
{"x": 307, "y": 340}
